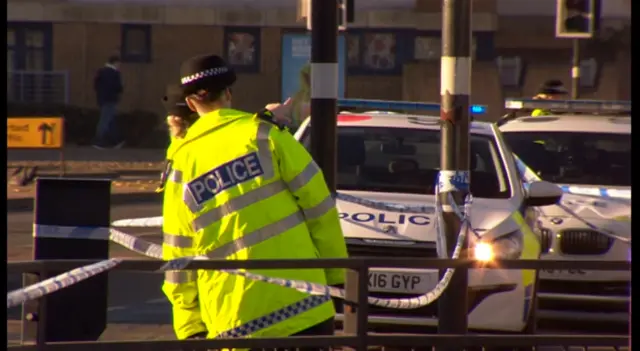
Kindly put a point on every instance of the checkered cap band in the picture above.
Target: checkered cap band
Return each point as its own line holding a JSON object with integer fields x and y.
{"x": 212, "y": 72}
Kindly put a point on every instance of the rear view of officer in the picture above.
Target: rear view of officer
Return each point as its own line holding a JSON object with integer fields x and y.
{"x": 244, "y": 188}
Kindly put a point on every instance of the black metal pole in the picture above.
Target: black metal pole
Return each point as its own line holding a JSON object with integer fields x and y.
{"x": 575, "y": 69}
{"x": 324, "y": 86}
{"x": 455, "y": 88}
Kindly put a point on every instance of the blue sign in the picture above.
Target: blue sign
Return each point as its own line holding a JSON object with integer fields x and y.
{"x": 386, "y": 218}
{"x": 223, "y": 177}
{"x": 296, "y": 71}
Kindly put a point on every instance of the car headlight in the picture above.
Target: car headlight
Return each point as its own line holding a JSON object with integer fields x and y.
{"x": 507, "y": 246}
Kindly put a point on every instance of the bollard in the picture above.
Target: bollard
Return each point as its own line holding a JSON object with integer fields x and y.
{"x": 71, "y": 221}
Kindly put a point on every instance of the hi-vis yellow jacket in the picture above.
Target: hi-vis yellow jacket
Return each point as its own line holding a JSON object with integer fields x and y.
{"x": 540, "y": 112}
{"x": 240, "y": 188}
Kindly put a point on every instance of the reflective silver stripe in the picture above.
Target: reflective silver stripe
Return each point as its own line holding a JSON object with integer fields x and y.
{"x": 320, "y": 209}
{"x": 175, "y": 176}
{"x": 304, "y": 177}
{"x": 237, "y": 204}
{"x": 179, "y": 277}
{"x": 258, "y": 236}
{"x": 264, "y": 152}
{"x": 189, "y": 200}
{"x": 181, "y": 241}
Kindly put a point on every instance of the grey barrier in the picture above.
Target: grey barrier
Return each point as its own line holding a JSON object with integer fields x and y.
{"x": 360, "y": 338}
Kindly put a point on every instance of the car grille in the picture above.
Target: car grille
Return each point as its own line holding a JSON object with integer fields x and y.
{"x": 584, "y": 242}
{"x": 420, "y": 250}
{"x": 546, "y": 238}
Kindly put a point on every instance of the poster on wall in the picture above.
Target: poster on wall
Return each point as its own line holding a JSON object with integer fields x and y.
{"x": 296, "y": 72}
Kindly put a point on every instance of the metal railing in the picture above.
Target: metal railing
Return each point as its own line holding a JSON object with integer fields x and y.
{"x": 38, "y": 86}
{"x": 355, "y": 323}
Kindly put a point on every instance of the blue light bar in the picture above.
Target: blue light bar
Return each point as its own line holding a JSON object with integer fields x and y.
{"x": 601, "y": 106}
{"x": 385, "y": 105}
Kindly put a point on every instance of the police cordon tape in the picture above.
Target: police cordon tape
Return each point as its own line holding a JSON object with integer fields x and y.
{"x": 448, "y": 181}
{"x": 530, "y": 176}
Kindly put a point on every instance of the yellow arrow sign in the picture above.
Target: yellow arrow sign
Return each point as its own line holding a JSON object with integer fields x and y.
{"x": 35, "y": 132}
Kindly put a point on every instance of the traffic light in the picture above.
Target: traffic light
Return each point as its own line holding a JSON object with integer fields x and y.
{"x": 346, "y": 12}
{"x": 577, "y": 19}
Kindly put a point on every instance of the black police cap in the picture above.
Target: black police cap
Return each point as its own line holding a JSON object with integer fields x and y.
{"x": 206, "y": 72}
{"x": 174, "y": 103}
{"x": 553, "y": 86}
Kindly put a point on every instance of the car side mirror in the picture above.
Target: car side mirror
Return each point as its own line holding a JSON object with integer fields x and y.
{"x": 542, "y": 193}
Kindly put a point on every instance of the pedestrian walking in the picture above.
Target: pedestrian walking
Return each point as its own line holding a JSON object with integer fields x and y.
{"x": 108, "y": 88}
{"x": 241, "y": 187}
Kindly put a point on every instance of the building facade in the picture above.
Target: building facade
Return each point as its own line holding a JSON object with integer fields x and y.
{"x": 393, "y": 49}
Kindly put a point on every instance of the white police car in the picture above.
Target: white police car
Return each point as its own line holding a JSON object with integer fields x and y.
{"x": 586, "y": 154}
{"x": 396, "y": 158}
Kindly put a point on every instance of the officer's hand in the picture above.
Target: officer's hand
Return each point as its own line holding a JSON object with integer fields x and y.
{"x": 177, "y": 126}
{"x": 281, "y": 111}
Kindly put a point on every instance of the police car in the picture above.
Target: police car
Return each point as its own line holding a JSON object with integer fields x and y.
{"x": 395, "y": 157}
{"x": 586, "y": 154}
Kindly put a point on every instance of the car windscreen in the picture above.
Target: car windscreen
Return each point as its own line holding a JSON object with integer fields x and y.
{"x": 403, "y": 160}
{"x": 575, "y": 158}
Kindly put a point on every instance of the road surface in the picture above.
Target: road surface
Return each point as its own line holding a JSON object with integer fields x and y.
{"x": 141, "y": 313}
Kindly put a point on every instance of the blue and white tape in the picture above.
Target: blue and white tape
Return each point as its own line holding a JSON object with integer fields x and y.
{"x": 154, "y": 250}
{"x": 449, "y": 181}
{"x": 530, "y": 176}
{"x": 66, "y": 232}
{"x": 148, "y": 222}
{"x": 622, "y": 194}
{"x": 48, "y": 286}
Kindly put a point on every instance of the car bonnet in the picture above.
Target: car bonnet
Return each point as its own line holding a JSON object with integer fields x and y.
{"x": 366, "y": 223}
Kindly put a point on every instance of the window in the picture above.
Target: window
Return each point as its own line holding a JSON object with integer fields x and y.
{"x": 510, "y": 70}
{"x": 575, "y": 158}
{"x": 136, "y": 43}
{"x": 29, "y": 60}
{"x": 353, "y": 50}
{"x": 242, "y": 49}
{"x": 429, "y": 48}
{"x": 588, "y": 73}
{"x": 399, "y": 160}
{"x": 379, "y": 52}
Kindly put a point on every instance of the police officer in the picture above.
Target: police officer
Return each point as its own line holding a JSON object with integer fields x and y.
{"x": 244, "y": 188}
{"x": 551, "y": 90}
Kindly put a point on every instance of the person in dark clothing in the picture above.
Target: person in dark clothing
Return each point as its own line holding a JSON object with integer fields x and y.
{"x": 108, "y": 87}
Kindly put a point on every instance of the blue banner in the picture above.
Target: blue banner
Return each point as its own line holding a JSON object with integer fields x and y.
{"x": 296, "y": 72}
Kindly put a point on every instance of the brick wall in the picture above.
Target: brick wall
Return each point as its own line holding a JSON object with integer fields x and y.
{"x": 82, "y": 47}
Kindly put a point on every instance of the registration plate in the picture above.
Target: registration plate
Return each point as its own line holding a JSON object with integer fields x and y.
{"x": 402, "y": 282}
{"x": 562, "y": 273}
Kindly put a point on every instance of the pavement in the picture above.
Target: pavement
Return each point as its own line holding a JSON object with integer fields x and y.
{"x": 140, "y": 313}
{"x": 134, "y": 173}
